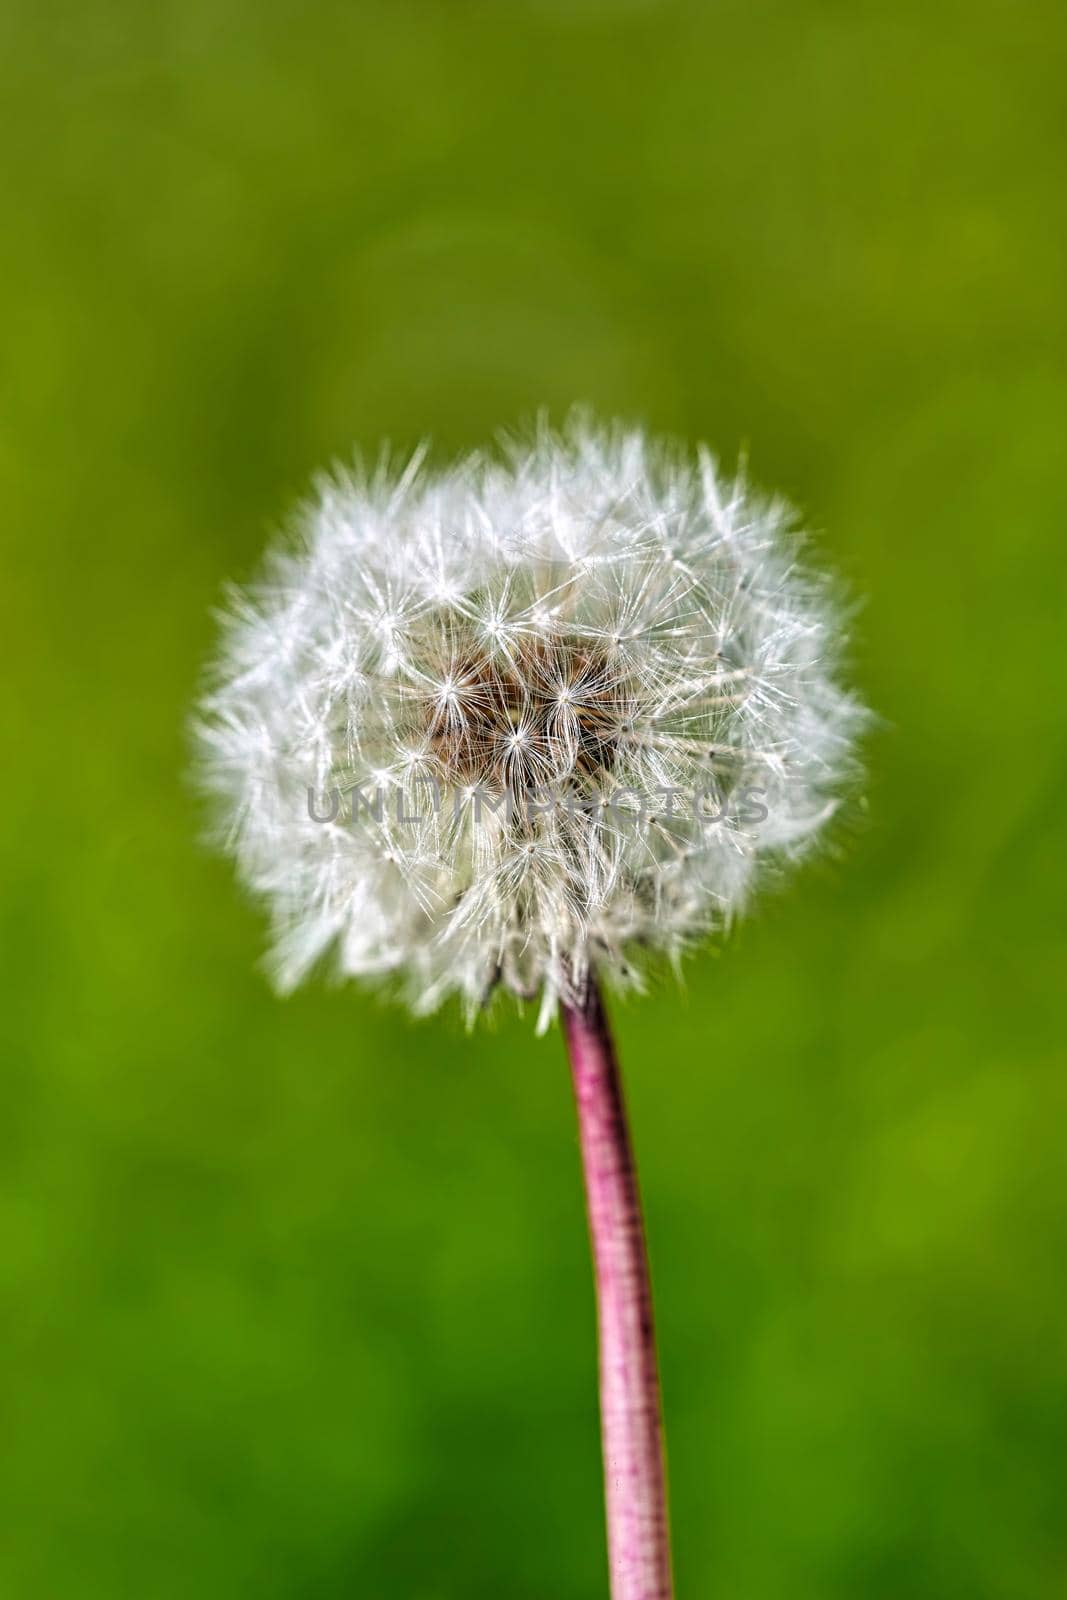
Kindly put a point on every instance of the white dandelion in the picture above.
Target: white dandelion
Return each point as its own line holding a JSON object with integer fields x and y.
{"x": 617, "y": 641}
{"x": 517, "y": 725}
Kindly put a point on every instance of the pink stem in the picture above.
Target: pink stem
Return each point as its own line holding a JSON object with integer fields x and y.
{"x": 635, "y": 1491}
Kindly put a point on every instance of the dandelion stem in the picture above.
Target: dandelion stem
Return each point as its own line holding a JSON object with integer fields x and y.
{"x": 635, "y": 1488}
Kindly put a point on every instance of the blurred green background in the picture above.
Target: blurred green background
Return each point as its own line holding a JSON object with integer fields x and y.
{"x": 295, "y": 1296}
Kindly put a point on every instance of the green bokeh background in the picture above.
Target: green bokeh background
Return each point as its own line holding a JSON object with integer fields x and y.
{"x": 295, "y": 1296}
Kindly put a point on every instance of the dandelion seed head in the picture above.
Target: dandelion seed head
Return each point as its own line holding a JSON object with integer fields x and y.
{"x": 585, "y": 620}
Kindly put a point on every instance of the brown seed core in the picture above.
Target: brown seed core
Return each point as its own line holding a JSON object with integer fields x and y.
{"x": 537, "y": 714}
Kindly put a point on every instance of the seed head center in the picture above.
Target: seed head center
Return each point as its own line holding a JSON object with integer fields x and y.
{"x": 541, "y": 712}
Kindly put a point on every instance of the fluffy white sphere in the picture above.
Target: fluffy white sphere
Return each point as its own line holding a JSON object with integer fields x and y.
{"x": 501, "y": 724}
